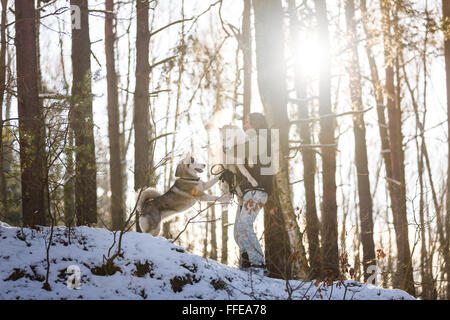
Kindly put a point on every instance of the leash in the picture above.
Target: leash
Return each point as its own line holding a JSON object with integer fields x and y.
{"x": 216, "y": 165}
{"x": 227, "y": 176}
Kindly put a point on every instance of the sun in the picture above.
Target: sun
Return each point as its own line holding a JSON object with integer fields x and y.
{"x": 310, "y": 54}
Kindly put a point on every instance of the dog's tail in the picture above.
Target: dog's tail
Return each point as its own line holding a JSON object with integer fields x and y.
{"x": 147, "y": 194}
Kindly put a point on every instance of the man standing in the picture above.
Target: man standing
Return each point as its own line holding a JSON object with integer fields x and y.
{"x": 253, "y": 198}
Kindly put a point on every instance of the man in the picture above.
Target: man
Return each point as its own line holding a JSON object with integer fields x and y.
{"x": 253, "y": 198}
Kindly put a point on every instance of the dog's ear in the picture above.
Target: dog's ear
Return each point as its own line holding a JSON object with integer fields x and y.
{"x": 179, "y": 171}
{"x": 186, "y": 159}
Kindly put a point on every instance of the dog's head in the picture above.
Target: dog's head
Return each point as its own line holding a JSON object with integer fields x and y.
{"x": 189, "y": 168}
{"x": 232, "y": 135}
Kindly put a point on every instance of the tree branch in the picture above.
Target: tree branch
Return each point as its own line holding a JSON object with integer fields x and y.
{"x": 327, "y": 116}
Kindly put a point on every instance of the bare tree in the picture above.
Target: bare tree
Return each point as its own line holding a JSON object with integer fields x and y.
{"x": 141, "y": 118}
{"x": 308, "y": 154}
{"x": 31, "y": 124}
{"x": 326, "y": 136}
{"x": 271, "y": 72}
{"x": 404, "y": 278}
{"x": 117, "y": 205}
{"x": 446, "y": 13}
{"x": 3, "y": 195}
{"x": 246, "y": 45}
{"x": 359, "y": 129}
{"x": 82, "y": 121}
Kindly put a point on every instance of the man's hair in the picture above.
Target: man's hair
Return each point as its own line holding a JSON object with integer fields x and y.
{"x": 258, "y": 120}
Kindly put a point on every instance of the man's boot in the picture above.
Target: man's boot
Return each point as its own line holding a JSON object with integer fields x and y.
{"x": 245, "y": 261}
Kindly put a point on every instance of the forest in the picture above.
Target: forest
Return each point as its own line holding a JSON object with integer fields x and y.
{"x": 102, "y": 99}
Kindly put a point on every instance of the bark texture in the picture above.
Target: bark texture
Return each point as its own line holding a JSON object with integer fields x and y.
{"x": 117, "y": 209}
{"x": 82, "y": 121}
{"x": 446, "y": 13}
{"x": 404, "y": 278}
{"x": 359, "y": 130}
{"x": 326, "y": 136}
{"x": 308, "y": 155}
{"x": 141, "y": 98}
{"x": 269, "y": 41}
{"x": 31, "y": 124}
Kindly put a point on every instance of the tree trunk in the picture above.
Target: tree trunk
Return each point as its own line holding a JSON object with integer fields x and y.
{"x": 141, "y": 98}
{"x": 404, "y": 277}
{"x": 277, "y": 249}
{"x": 446, "y": 13}
{"x": 141, "y": 118}
{"x": 426, "y": 282}
{"x": 246, "y": 45}
{"x": 213, "y": 253}
{"x": 359, "y": 129}
{"x": 69, "y": 185}
{"x": 166, "y": 224}
{"x": 379, "y": 99}
{"x": 41, "y": 89}
{"x": 3, "y": 187}
{"x": 83, "y": 122}
{"x": 326, "y": 136}
{"x": 378, "y": 92}
{"x": 308, "y": 155}
{"x": 37, "y": 22}
{"x": 182, "y": 48}
{"x": 31, "y": 125}
{"x": 422, "y": 154}
{"x": 272, "y": 88}
{"x": 125, "y": 135}
{"x": 12, "y": 211}
{"x": 117, "y": 208}
{"x": 224, "y": 243}
{"x": 69, "y": 179}
{"x": 205, "y": 240}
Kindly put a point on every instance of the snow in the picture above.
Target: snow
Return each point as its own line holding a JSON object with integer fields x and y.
{"x": 150, "y": 268}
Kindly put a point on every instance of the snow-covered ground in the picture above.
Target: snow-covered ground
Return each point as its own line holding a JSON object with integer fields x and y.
{"x": 150, "y": 268}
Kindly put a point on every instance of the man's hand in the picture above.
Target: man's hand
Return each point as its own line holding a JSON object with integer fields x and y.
{"x": 226, "y": 176}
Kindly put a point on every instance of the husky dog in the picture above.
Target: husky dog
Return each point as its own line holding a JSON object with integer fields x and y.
{"x": 187, "y": 189}
{"x": 233, "y": 136}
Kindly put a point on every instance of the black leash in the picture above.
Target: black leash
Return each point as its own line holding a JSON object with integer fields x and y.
{"x": 227, "y": 177}
{"x": 216, "y": 165}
